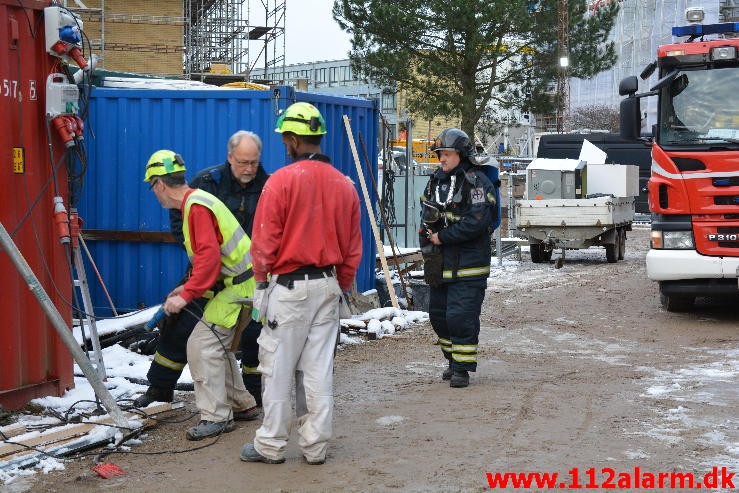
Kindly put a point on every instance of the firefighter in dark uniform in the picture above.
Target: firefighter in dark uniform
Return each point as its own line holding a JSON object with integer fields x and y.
{"x": 237, "y": 183}
{"x": 458, "y": 209}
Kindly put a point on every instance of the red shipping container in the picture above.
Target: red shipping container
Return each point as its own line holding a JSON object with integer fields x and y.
{"x": 33, "y": 360}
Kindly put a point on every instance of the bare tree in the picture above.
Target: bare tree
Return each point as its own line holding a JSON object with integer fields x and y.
{"x": 593, "y": 117}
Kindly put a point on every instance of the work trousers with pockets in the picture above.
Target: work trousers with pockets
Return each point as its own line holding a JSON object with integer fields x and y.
{"x": 298, "y": 339}
{"x": 215, "y": 373}
{"x": 454, "y": 311}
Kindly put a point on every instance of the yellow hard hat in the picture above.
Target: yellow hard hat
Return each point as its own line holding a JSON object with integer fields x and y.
{"x": 301, "y": 119}
{"x": 163, "y": 162}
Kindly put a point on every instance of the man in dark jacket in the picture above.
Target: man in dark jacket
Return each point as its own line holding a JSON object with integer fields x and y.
{"x": 458, "y": 207}
{"x": 237, "y": 183}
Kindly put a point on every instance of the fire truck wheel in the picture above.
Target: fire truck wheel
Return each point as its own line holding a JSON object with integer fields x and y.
{"x": 676, "y": 303}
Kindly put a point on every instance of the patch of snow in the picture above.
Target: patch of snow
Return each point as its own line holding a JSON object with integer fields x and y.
{"x": 107, "y": 326}
{"x": 636, "y": 454}
{"x": 389, "y": 420}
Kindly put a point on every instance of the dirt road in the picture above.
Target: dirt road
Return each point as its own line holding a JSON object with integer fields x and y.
{"x": 578, "y": 368}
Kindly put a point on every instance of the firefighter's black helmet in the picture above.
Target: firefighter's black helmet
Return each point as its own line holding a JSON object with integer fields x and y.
{"x": 454, "y": 139}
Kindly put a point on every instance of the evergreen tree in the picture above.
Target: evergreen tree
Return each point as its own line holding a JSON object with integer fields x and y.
{"x": 471, "y": 58}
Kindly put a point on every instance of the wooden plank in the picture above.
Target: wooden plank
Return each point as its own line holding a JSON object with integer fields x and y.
{"x": 46, "y": 438}
{"x": 404, "y": 258}
{"x": 12, "y": 430}
{"x": 78, "y": 430}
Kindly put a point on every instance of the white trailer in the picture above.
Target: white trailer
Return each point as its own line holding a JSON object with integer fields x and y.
{"x": 575, "y": 224}
{"x": 572, "y": 206}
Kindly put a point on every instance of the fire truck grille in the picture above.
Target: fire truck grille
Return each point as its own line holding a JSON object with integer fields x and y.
{"x": 726, "y": 200}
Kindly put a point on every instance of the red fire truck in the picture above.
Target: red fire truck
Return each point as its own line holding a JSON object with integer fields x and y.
{"x": 694, "y": 184}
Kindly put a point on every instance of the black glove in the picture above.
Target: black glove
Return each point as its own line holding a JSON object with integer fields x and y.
{"x": 147, "y": 344}
{"x": 433, "y": 260}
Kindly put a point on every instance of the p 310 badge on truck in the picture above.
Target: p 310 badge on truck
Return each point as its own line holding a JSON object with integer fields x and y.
{"x": 723, "y": 237}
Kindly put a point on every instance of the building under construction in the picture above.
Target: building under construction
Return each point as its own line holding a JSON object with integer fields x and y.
{"x": 186, "y": 38}
{"x": 641, "y": 26}
{"x": 236, "y": 36}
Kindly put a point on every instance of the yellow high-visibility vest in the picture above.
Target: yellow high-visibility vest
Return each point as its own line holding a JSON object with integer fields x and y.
{"x": 235, "y": 260}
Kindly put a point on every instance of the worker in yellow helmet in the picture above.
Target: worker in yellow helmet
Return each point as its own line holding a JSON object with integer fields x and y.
{"x": 307, "y": 238}
{"x": 218, "y": 249}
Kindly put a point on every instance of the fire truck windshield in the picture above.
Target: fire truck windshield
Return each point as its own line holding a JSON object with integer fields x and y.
{"x": 700, "y": 108}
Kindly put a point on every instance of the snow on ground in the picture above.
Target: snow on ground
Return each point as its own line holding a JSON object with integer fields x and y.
{"x": 123, "y": 365}
{"x": 688, "y": 385}
{"x": 108, "y": 326}
{"x": 696, "y": 383}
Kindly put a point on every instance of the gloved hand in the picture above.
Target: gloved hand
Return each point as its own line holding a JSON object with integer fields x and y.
{"x": 146, "y": 344}
{"x": 259, "y": 308}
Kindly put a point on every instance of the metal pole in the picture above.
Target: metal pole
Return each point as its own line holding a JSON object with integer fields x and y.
{"x": 89, "y": 314}
{"x": 510, "y": 203}
{"x": 410, "y": 209}
{"x": 58, "y": 322}
{"x": 405, "y": 208}
{"x": 98, "y": 275}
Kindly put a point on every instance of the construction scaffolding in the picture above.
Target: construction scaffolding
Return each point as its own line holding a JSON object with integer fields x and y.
{"x": 238, "y": 34}
{"x": 641, "y": 26}
{"x": 729, "y": 10}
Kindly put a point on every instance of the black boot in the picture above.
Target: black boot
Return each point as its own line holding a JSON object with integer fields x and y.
{"x": 154, "y": 394}
{"x": 447, "y": 373}
{"x": 460, "y": 378}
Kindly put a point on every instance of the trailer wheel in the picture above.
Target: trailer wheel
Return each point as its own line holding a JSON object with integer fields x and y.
{"x": 537, "y": 252}
{"x": 676, "y": 303}
{"x": 612, "y": 251}
{"x": 621, "y": 243}
{"x": 546, "y": 255}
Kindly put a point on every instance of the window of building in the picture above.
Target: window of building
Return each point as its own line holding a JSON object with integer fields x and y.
{"x": 388, "y": 101}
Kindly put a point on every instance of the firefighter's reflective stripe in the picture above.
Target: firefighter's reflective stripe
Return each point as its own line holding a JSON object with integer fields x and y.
{"x": 468, "y": 272}
{"x": 250, "y": 370}
{"x": 446, "y": 345}
{"x": 452, "y": 217}
{"x": 168, "y": 363}
{"x": 464, "y": 353}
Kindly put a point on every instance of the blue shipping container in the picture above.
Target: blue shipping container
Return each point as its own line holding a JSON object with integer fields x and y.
{"x": 122, "y": 217}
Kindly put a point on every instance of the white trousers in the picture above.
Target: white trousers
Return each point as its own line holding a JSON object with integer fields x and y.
{"x": 299, "y": 335}
{"x": 219, "y": 387}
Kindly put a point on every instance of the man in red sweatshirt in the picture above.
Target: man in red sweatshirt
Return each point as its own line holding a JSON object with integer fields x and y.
{"x": 218, "y": 249}
{"x": 306, "y": 236}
